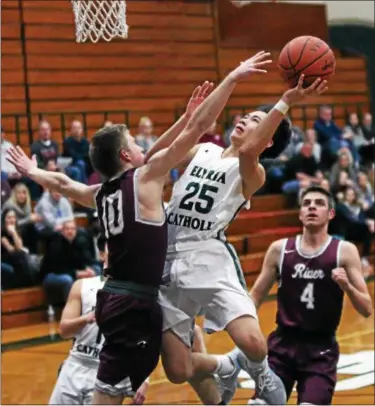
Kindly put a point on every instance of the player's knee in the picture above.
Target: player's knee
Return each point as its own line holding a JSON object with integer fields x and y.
{"x": 178, "y": 375}
{"x": 254, "y": 347}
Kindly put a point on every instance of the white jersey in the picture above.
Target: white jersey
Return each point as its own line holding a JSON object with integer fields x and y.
{"x": 205, "y": 200}
{"x": 88, "y": 342}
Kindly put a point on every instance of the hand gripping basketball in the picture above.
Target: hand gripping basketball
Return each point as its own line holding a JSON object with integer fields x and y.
{"x": 297, "y": 94}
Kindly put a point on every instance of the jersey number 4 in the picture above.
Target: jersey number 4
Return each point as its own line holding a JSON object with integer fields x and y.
{"x": 204, "y": 203}
{"x": 113, "y": 220}
{"x": 308, "y": 296}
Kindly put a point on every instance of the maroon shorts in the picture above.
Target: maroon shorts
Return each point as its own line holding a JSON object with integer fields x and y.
{"x": 309, "y": 360}
{"x": 132, "y": 329}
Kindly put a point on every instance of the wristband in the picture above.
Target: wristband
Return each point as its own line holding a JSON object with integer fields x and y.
{"x": 147, "y": 380}
{"x": 282, "y": 107}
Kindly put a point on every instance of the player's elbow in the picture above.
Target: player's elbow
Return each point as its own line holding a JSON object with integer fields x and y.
{"x": 368, "y": 309}
{"x": 64, "y": 330}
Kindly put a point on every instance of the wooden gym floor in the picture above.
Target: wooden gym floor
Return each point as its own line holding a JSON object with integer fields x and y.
{"x": 30, "y": 360}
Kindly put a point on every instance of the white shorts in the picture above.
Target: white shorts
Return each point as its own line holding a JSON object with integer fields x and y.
{"x": 75, "y": 384}
{"x": 208, "y": 279}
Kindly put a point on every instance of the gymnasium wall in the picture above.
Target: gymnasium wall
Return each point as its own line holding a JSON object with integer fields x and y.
{"x": 172, "y": 47}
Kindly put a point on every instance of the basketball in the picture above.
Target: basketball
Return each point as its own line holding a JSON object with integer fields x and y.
{"x": 308, "y": 55}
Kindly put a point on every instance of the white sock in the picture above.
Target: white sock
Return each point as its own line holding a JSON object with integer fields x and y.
{"x": 225, "y": 365}
{"x": 253, "y": 367}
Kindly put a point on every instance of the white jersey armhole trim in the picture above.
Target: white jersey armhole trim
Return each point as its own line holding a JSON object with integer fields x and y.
{"x": 338, "y": 254}
{"x": 281, "y": 259}
{"x": 136, "y": 205}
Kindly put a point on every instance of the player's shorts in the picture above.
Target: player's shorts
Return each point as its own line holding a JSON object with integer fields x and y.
{"x": 308, "y": 359}
{"x": 132, "y": 328}
{"x": 208, "y": 278}
{"x": 75, "y": 383}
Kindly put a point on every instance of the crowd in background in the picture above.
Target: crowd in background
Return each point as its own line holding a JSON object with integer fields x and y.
{"x": 42, "y": 244}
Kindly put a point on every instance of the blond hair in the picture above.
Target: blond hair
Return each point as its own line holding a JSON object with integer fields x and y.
{"x": 13, "y": 197}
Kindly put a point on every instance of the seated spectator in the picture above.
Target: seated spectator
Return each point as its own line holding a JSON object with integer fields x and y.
{"x": 365, "y": 191}
{"x": 53, "y": 209}
{"x": 367, "y": 128}
{"x": 310, "y": 137}
{"x": 344, "y": 164}
{"x": 76, "y": 147}
{"x": 145, "y": 139}
{"x": 211, "y": 135}
{"x": 235, "y": 120}
{"x": 8, "y": 171}
{"x": 6, "y": 190}
{"x": 354, "y": 129}
{"x": 20, "y": 202}
{"x": 329, "y": 135}
{"x": 45, "y": 148}
{"x": 20, "y": 272}
{"x": 300, "y": 171}
{"x": 68, "y": 257}
{"x": 355, "y": 225}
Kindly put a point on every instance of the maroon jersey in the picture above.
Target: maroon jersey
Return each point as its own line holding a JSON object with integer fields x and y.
{"x": 136, "y": 248}
{"x": 308, "y": 299}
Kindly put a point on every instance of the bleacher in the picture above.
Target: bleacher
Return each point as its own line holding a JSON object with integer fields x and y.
{"x": 139, "y": 75}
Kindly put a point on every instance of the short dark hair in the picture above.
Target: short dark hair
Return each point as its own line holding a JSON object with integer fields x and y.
{"x": 105, "y": 148}
{"x": 282, "y": 135}
{"x": 100, "y": 243}
{"x": 318, "y": 189}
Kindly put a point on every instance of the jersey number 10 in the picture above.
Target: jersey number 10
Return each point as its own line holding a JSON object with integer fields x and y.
{"x": 113, "y": 220}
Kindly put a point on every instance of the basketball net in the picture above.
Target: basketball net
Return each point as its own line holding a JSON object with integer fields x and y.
{"x": 99, "y": 19}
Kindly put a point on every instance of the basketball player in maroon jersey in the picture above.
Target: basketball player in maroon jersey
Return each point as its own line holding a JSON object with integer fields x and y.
{"x": 313, "y": 270}
{"x": 131, "y": 212}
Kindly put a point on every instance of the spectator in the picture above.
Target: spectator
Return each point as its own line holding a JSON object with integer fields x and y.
{"x": 68, "y": 257}
{"x": 367, "y": 127}
{"x": 211, "y": 135}
{"x": 344, "y": 164}
{"x": 329, "y": 135}
{"x": 5, "y": 189}
{"x": 310, "y": 137}
{"x": 8, "y": 171}
{"x": 53, "y": 209}
{"x": 13, "y": 252}
{"x": 354, "y": 130}
{"x": 300, "y": 171}
{"x": 355, "y": 225}
{"x": 20, "y": 202}
{"x": 145, "y": 139}
{"x": 76, "y": 147}
{"x": 365, "y": 191}
{"x": 235, "y": 120}
{"x": 45, "y": 148}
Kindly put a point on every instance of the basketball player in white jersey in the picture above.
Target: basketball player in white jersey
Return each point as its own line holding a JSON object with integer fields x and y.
{"x": 76, "y": 381}
{"x": 202, "y": 269}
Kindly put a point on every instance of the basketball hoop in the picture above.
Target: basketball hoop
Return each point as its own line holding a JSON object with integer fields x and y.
{"x": 99, "y": 19}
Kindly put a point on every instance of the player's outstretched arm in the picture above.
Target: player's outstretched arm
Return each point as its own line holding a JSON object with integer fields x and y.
{"x": 268, "y": 274}
{"x": 256, "y": 144}
{"x": 350, "y": 279}
{"x": 53, "y": 181}
{"x": 167, "y": 159}
{"x": 71, "y": 320}
{"x": 199, "y": 94}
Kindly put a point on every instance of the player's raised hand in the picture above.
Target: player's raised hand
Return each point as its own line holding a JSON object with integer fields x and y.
{"x": 340, "y": 277}
{"x": 255, "y": 64}
{"x": 298, "y": 93}
{"x": 21, "y": 161}
{"x": 199, "y": 95}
